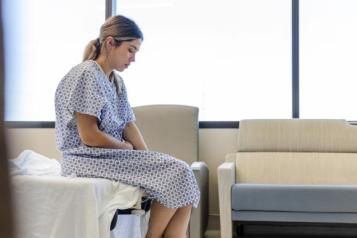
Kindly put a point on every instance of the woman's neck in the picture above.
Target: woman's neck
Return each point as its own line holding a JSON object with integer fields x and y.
{"x": 104, "y": 65}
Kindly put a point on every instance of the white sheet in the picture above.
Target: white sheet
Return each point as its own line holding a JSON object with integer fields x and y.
{"x": 130, "y": 226}
{"x": 52, "y": 206}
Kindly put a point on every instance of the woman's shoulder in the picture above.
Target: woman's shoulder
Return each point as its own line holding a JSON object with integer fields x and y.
{"x": 85, "y": 73}
{"x": 88, "y": 66}
{"x": 87, "y": 70}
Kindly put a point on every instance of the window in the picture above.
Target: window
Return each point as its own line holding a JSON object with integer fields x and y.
{"x": 43, "y": 40}
{"x": 230, "y": 58}
{"x": 328, "y": 49}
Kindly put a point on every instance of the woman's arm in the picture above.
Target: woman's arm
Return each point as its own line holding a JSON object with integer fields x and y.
{"x": 91, "y": 135}
{"x": 133, "y": 135}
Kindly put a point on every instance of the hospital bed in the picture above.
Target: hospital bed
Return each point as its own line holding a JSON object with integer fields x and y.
{"x": 48, "y": 205}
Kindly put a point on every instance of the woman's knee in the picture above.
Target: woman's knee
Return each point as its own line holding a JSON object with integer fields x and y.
{"x": 153, "y": 234}
{"x": 175, "y": 234}
{"x": 182, "y": 167}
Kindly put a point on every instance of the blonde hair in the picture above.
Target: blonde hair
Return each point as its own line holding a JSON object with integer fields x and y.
{"x": 120, "y": 28}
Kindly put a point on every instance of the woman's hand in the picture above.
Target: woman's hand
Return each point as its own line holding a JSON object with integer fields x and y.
{"x": 133, "y": 135}
{"x": 128, "y": 145}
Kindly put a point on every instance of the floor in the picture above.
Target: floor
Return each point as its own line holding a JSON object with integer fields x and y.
{"x": 281, "y": 231}
{"x": 295, "y": 236}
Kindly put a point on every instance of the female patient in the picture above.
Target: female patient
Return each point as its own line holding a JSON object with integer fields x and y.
{"x": 98, "y": 137}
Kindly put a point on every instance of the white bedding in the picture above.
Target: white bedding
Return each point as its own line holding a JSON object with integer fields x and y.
{"x": 51, "y": 206}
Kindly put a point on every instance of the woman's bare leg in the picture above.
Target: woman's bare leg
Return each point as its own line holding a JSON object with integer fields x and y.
{"x": 160, "y": 217}
{"x": 177, "y": 228}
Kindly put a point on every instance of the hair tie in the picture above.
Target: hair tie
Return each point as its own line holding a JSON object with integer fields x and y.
{"x": 97, "y": 46}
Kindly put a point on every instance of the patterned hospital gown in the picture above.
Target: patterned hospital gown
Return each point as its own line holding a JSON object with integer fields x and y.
{"x": 86, "y": 89}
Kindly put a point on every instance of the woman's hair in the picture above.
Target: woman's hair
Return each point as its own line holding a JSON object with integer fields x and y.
{"x": 120, "y": 28}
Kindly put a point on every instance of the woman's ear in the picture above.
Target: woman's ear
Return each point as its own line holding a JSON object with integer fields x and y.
{"x": 110, "y": 42}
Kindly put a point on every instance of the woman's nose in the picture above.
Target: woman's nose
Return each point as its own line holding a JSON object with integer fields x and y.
{"x": 132, "y": 58}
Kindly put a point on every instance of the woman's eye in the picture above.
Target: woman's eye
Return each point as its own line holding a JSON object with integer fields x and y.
{"x": 131, "y": 50}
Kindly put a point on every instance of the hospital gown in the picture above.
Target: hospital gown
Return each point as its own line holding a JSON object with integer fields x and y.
{"x": 86, "y": 89}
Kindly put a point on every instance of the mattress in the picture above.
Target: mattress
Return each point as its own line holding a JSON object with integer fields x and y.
{"x": 50, "y": 205}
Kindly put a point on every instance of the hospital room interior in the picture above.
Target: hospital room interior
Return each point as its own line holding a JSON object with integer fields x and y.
{"x": 178, "y": 118}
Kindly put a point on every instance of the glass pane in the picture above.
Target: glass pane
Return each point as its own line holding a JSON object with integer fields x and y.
{"x": 43, "y": 40}
{"x": 328, "y": 49}
{"x": 232, "y": 58}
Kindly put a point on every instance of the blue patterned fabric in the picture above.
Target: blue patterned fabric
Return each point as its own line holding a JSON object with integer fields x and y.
{"x": 86, "y": 89}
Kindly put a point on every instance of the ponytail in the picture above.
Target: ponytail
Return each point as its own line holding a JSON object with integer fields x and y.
{"x": 92, "y": 50}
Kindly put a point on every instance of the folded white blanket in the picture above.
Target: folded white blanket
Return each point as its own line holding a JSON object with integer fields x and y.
{"x": 32, "y": 163}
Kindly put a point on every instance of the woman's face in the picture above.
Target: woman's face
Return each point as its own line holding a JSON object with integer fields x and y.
{"x": 124, "y": 54}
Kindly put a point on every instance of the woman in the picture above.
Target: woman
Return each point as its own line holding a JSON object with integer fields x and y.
{"x": 97, "y": 135}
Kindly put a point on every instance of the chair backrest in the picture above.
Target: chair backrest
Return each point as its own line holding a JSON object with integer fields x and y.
{"x": 296, "y": 151}
{"x": 297, "y": 135}
{"x": 171, "y": 129}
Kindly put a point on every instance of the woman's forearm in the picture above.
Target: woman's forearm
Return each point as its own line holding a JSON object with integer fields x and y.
{"x": 101, "y": 139}
{"x": 91, "y": 135}
{"x": 134, "y": 136}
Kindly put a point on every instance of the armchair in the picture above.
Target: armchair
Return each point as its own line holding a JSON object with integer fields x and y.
{"x": 173, "y": 129}
{"x": 291, "y": 171}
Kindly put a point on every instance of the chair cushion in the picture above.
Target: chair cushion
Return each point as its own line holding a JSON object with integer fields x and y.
{"x": 297, "y": 135}
{"x": 294, "y": 198}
